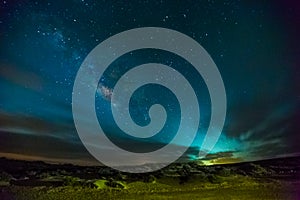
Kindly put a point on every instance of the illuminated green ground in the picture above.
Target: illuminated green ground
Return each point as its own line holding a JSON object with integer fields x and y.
{"x": 268, "y": 179}
{"x": 233, "y": 187}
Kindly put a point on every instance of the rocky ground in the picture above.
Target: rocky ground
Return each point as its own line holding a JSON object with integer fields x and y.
{"x": 269, "y": 179}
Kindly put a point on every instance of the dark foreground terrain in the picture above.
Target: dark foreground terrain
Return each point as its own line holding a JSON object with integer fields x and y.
{"x": 269, "y": 179}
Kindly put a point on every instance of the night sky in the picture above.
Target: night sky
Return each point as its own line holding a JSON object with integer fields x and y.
{"x": 255, "y": 45}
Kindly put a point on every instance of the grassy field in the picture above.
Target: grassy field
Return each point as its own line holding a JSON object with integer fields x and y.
{"x": 234, "y": 187}
{"x": 267, "y": 179}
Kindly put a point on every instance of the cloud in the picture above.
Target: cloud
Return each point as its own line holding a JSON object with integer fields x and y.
{"x": 21, "y": 77}
{"x": 41, "y": 146}
{"x": 226, "y": 160}
{"x": 30, "y": 138}
{"x": 26, "y": 124}
{"x": 221, "y": 158}
{"x": 274, "y": 136}
{"x": 76, "y": 161}
{"x": 212, "y": 156}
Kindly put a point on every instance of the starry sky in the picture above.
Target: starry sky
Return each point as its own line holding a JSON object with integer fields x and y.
{"x": 255, "y": 45}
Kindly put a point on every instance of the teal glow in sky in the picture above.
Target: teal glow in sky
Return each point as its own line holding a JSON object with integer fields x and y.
{"x": 254, "y": 45}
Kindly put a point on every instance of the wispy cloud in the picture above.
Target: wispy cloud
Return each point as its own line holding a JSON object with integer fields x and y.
{"x": 21, "y": 77}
